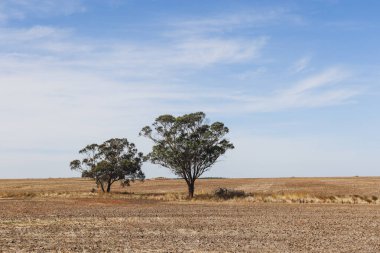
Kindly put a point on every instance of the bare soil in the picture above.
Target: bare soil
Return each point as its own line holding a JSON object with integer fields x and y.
{"x": 114, "y": 223}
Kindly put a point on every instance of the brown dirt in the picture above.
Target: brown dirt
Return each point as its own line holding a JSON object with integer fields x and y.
{"x": 117, "y": 224}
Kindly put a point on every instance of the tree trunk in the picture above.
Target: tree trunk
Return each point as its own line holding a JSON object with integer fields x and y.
{"x": 109, "y": 187}
{"x": 191, "y": 189}
{"x": 101, "y": 186}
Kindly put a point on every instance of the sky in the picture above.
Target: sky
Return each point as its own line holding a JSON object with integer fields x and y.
{"x": 296, "y": 82}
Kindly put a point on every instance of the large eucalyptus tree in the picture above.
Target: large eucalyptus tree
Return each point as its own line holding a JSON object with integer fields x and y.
{"x": 187, "y": 145}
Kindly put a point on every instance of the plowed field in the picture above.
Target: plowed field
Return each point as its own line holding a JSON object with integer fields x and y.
{"x": 98, "y": 223}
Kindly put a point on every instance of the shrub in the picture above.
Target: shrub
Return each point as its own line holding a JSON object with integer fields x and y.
{"x": 224, "y": 193}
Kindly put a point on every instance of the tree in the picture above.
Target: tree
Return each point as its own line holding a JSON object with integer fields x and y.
{"x": 114, "y": 160}
{"x": 187, "y": 145}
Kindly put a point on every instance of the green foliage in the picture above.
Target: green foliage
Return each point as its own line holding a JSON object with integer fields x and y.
{"x": 114, "y": 160}
{"x": 187, "y": 145}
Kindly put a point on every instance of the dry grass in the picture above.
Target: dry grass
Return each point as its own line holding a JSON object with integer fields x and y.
{"x": 353, "y": 190}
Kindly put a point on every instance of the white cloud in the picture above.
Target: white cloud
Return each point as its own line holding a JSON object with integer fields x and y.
{"x": 327, "y": 77}
{"x": 14, "y": 37}
{"x": 127, "y": 59}
{"x": 209, "y": 51}
{"x": 320, "y": 90}
{"x": 246, "y": 75}
{"x": 21, "y": 9}
{"x": 301, "y": 64}
{"x": 240, "y": 20}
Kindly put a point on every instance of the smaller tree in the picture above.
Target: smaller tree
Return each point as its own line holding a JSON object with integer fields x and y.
{"x": 187, "y": 145}
{"x": 114, "y": 160}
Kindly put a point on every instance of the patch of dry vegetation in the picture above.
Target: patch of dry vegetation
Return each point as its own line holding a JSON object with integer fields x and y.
{"x": 353, "y": 190}
{"x": 255, "y": 198}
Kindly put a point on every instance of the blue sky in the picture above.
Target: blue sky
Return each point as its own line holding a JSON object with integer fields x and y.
{"x": 297, "y": 82}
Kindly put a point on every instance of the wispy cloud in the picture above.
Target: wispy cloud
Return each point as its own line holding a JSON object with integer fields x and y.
{"x": 202, "y": 52}
{"x": 239, "y": 20}
{"x": 320, "y": 90}
{"x": 124, "y": 58}
{"x": 300, "y": 65}
{"x": 21, "y": 9}
{"x": 37, "y": 49}
{"x": 330, "y": 76}
{"x": 13, "y": 36}
{"x": 249, "y": 74}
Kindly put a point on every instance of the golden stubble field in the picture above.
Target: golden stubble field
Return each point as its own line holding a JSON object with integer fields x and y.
{"x": 280, "y": 215}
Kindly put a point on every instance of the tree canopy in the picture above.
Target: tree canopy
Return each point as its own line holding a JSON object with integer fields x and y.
{"x": 187, "y": 145}
{"x": 114, "y": 160}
